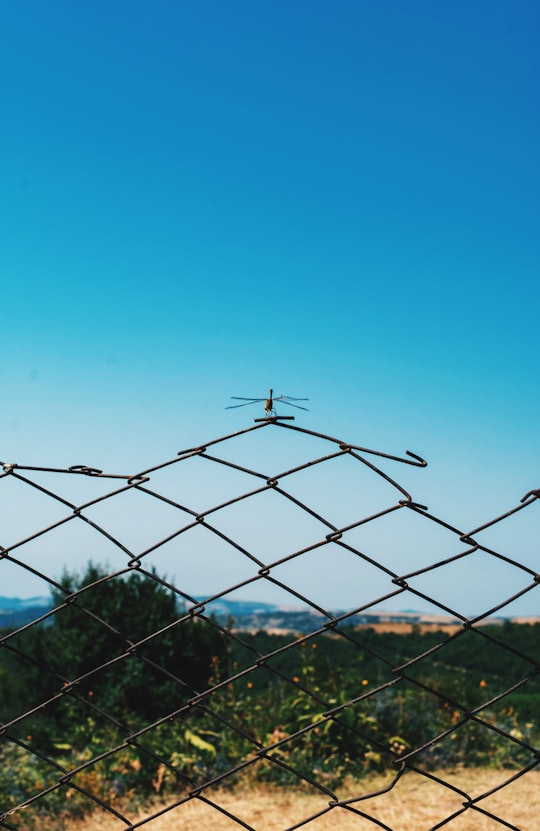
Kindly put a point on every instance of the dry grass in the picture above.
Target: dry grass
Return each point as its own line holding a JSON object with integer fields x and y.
{"x": 414, "y": 804}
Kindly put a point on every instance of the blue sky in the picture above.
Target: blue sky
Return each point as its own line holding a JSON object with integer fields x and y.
{"x": 207, "y": 199}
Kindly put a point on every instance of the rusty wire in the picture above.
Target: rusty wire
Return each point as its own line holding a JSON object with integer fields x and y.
{"x": 335, "y": 537}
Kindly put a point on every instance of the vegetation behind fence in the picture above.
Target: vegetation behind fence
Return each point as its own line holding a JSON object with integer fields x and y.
{"x": 132, "y": 690}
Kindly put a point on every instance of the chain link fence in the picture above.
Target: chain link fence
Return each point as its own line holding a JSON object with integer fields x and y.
{"x": 215, "y": 628}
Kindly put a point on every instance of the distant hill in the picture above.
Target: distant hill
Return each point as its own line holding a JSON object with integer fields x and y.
{"x": 16, "y": 611}
{"x": 253, "y": 616}
{"x": 272, "y": 618}
{"x": 18, "y": 603}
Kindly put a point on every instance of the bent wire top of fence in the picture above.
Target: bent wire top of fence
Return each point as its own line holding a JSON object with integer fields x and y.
{"x": 135, "y": 694}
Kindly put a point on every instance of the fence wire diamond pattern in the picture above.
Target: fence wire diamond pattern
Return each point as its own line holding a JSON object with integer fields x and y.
{"x": 260, "y": 512}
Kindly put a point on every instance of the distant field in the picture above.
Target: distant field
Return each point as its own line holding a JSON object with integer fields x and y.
{"x": 414, "y": 804}
{"x": 408, "y": 628}
{"x": 287, "y": 623}
{"x": 442, "y": 625}
{"x": 397, "y": 628}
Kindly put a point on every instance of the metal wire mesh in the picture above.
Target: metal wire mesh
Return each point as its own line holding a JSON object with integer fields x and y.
{"x": 260, "y": 510}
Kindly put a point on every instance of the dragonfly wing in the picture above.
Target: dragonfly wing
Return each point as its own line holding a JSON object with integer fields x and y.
{"x": 241, "y": 398}
{"x": 291, "y": 398}
{"x": 245, "y": 404}
{"x": 298, "y": 407}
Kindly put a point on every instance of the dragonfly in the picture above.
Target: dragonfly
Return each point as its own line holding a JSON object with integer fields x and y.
{"x": 268, "y": 403}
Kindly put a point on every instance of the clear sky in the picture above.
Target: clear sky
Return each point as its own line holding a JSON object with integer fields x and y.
{"x": 338, "y": 200}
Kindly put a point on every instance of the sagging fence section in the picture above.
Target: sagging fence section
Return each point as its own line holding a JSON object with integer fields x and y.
{"x": 215, "y": 624}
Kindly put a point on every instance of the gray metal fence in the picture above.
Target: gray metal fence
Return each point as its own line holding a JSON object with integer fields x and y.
{"x": 319, "y": 529}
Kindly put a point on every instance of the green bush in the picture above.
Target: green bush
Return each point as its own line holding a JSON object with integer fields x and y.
{"x": 320, "y": 709}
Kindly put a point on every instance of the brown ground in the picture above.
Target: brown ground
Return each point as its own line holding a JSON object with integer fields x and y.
{"x": 415, "y": 803}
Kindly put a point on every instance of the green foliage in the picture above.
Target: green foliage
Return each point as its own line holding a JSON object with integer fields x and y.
{"x": 105, "y": 674}
{"x": 343, "y": 704}
{"x": 117, "y": 614}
